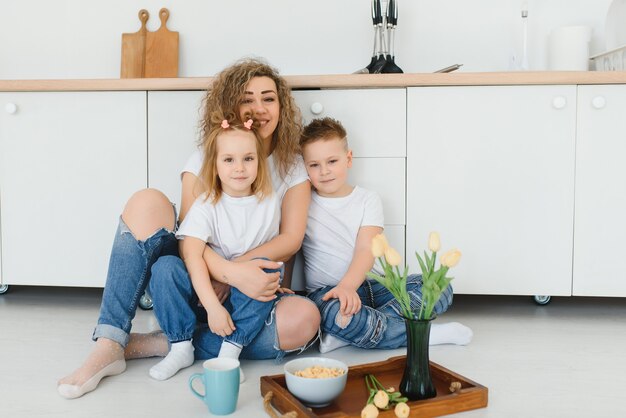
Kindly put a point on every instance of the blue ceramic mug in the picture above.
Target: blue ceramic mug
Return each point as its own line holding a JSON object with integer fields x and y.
{"x": 221, "y": 385}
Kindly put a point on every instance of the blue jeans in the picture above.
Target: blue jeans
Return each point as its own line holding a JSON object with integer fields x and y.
{"x": 133, "y": 264}
{"x": 379, "y": 323}
{"x": 176, "y": 307}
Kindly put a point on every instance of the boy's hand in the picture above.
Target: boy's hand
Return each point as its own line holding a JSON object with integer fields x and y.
{"x": 285, "y": 290}
{"x": 349, "y": 300}
{"x": 220, "y": 321}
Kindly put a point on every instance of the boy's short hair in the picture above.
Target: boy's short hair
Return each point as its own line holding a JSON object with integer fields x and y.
{"x": 323, "y": 129}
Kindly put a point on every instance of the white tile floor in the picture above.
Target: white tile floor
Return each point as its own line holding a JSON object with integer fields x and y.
{"x": 562, "y": 360}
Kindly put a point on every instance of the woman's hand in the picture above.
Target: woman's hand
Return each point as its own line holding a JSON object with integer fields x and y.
{"x": 220, "y": 321}
{"x": 349, "y": 300}
{"x": 250, "y": 279}
{"x": 285, "y": 290}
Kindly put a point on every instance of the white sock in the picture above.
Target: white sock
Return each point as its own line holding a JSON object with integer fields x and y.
{"x": 179, "y": 357}
{"x": 329, "y": 342}
{"x": 76, "y": 391}
{"x": 232, "y": 350}
{"x": 450, "y": 333}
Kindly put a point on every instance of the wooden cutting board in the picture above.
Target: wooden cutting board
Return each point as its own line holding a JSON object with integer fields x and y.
{"x": 133, "y": 49}
{"x": 150, "y": 54}
{"x": 161, "y": 50}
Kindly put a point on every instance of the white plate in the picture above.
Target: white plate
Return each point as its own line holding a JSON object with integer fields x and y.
{"x": 615, "y": 25}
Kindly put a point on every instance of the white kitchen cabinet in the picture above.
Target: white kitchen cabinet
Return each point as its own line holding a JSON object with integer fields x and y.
{"x": 375, "y": 119}
{"x": 492, "y": 169}
{"x": 173, "y": 130}
{"x": 600, "y": 221}
{"x": 68, "y": 163}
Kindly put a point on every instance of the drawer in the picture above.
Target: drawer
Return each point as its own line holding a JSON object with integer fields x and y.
{"x": 374, "y": 119}
{"x": 385, "y": 176}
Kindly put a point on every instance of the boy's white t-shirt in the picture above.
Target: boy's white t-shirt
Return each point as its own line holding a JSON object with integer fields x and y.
{"x": 296, "y": 175}
{"x": 331, "y": 232}
{"x": 233, "y": 225}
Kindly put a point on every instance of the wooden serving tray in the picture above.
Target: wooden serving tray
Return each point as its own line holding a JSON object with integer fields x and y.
{"x": 352, "y": 400}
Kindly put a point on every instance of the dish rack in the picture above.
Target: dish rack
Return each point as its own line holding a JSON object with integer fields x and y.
{"x": 613, "y": 60}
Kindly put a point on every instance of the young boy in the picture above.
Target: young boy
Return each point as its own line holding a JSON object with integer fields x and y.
{"x": 342, "y": 222}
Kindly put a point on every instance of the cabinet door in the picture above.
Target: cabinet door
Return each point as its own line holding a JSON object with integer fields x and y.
{"x": 600, "y": 222}
{"x": 492, "y": 169}
{"x": 173, "y": 130}
{"x": 68, "y": 163}
{"x": 375, "y": 119}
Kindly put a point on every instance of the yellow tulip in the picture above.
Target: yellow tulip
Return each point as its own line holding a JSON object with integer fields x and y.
{"x": 378, "y": 246}
{"x": 381, "y": 399}
{"x": 434, "y": 243}
{"x": 392, "y": 256}
{"x": 383, "y": 239}
{"x": 370, "y": 411}
{"x": 402, "y": 410}
{"x": 451, "y": 258}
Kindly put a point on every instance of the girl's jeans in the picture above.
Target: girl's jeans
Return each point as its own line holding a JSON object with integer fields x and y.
{"x": 379, "y": 323}
{"x": 154, "y": 264}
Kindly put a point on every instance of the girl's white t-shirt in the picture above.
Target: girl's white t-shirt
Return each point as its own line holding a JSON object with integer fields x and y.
{"x": 332, "y": 228}
{"x": 234, "y": 225}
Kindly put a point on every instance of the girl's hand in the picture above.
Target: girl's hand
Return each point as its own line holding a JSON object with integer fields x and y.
{"x": 285, "y": 290}
{"x": 222, "y": 290}
{"x": 349, "y": 300}
{"x": 250, "y": 279}
{"x": 220, "y": 321}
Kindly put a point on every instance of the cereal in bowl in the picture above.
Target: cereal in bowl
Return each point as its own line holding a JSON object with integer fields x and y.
{"x": 319, "y": 372}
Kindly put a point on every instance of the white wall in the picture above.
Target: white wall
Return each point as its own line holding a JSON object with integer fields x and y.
{"x": 49, "y": 39}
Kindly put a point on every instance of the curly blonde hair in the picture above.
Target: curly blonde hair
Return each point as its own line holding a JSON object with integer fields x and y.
{"x": 209, "y": 181}
{"x": 227, "y": 93}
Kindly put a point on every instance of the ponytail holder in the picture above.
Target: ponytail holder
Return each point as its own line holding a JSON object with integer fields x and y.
{"x": 248, "y": 124}
{"x": 225, "y": 124}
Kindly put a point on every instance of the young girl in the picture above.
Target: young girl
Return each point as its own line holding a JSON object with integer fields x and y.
{"x": 235, "y": 212}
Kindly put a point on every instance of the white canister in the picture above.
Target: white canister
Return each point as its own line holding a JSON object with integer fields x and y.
{"x": 569, "y": 48}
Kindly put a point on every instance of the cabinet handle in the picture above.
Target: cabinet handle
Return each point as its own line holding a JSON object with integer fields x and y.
{"x": 10, "y": 108}
{"x": 598, "y": 102}
{"x": 317, "y": 108}
{"x": 559, "y": 102}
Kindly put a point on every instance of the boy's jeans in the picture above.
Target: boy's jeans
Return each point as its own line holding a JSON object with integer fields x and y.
{"x": 133, "y": 264}
{"x": 379, "y": 323}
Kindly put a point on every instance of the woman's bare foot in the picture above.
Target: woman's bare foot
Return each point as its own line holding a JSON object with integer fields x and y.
{"x": 106, "y": 359}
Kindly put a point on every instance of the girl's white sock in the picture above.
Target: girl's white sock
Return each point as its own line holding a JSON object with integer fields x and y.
{"x": 450, "y": 333}
{"x": 232, "y": 350}
{"x": 179, "y": 357}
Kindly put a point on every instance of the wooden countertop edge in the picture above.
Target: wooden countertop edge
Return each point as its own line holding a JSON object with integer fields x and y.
{"x": 331, "y": 81}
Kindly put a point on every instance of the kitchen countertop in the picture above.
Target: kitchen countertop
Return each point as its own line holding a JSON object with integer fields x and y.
{"x": 332, "y": 81}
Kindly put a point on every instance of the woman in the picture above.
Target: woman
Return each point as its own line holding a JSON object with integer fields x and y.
{"x": 145, "y": 248}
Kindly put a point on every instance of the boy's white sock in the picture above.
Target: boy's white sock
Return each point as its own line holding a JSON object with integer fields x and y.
{"x": 179, "y": 357}
{"x": 450, "y": 333}
{"x": 232, "y": 350}
{"x": 329, "y": 342}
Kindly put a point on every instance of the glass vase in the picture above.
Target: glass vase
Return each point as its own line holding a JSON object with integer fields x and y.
{"x": 416, "y": 381}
